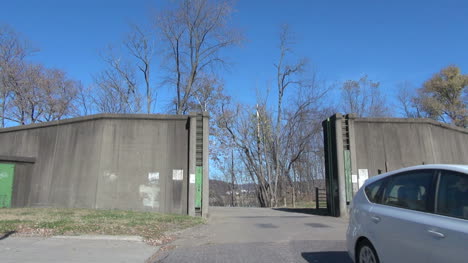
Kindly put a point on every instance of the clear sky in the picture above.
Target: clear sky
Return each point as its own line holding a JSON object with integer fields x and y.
{"x": 390, "y": 40}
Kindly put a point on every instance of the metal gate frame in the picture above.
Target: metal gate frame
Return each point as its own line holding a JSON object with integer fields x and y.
{"x": 331, "y": 175}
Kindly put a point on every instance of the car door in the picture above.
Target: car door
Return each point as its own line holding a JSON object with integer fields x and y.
{"x": 399, "y": 222}
{"x": 448, "y": 228}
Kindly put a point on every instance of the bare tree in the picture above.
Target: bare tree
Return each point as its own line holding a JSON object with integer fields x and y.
{"x": 60, "y": 95}
{"x": 31, "y": 93}
{"x": 287, "y": 75}
{"x": 42, "y": 94}
{"x": 406, "y": 100}
{"x": 85, "y": 100}
{"x": 13, "y": 51}
{"x": 28, "y": 95}
{"x": 270, "y": 145}
{"x": 252, "y": 132}
{"x": 242, "y": 129}
{"x": 194, "y": 34}
{"x": 207, "y": 96}
{"x": 116, "y": 87}
{"x": 364, "y": 98}
{"x": 141, "y": 47}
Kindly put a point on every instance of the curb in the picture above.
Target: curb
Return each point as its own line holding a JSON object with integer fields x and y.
{"x": 102, "y": 237}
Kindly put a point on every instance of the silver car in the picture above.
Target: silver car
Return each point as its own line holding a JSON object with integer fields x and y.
{"x": 416, "y": 214}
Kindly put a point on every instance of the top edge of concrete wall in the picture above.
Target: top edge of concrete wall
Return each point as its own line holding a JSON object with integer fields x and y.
{"x": 100, "y": 117}
{"x": 17, "y": 159}
{"x": 403, "y": 120}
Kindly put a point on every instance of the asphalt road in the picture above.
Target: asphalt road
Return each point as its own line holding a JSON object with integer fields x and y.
{"x": 260, "y": 235}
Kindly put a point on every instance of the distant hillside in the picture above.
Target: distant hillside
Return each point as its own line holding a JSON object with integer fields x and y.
{"x": 219, "y": 187}
{"x": 220, "y": 194}
{"x": 245, "y": 194}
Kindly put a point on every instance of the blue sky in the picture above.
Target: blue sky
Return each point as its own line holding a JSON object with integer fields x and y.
{"x": 391, "y": 41}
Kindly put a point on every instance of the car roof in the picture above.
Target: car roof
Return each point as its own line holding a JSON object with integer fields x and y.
{"x": 451, "y": 167}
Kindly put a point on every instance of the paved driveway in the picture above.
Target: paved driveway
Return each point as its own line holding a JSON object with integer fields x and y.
{"x": 102, "y": 249}
{"x": 261, "y": 235}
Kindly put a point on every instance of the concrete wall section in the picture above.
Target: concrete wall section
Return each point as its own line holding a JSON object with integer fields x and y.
{"x": 21, "y": 186}
{"x": 136, "y": 162}
{"x": 74, "y": 156}
{"x": 452, "y": 147}
{"x": 63, "y": 172}
{"x": 380, "y": 145}
{"x": 390, "y": 144}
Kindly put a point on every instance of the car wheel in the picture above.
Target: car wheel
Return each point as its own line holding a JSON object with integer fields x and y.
{"x": 366, "y": 253}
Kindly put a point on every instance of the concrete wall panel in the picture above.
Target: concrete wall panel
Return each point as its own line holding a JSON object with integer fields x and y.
{"x": 103, "y": 161}
{"x": 74, "y": 184}
{"x": 21, "y": 186}
{"x": 390, "y": 144}
{"x": 134, "y": 154}
{"x": 385, "y": 144}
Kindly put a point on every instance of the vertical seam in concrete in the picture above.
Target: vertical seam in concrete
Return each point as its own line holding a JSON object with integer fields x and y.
{"x": 384, "y": 150}
{"x": 434, "y": 156}
{"x": 53, "y": 160}
{"x": 103, "y": 124}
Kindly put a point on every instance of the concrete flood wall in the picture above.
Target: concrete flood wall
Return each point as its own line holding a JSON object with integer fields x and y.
{"x": 135, "y": 162}
{"x": 383, "y": 145}
{"x": 379, "y": 145}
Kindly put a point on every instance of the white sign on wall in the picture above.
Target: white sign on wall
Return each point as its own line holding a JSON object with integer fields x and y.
{"x": 363, "y": 173}
{"x": 192, "y": 178}
{"x": 354, "y": 179}
{"x": 177, "y": 175}
{"x": 363, "y": 176}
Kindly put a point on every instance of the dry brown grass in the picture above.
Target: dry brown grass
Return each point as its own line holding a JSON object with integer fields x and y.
{"x": 60, "y": 221}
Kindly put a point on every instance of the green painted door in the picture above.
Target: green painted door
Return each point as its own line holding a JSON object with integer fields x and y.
{"x": 6, "y": 184}
{"x": 348, "y": 176}
{"x": 198, "y": 186}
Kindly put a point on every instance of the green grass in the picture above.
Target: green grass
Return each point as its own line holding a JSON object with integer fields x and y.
{"x": 57, "y": 221}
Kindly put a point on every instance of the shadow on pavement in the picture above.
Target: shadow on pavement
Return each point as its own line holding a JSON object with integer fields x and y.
{"x": 7, "y": 234}
{"x": 309, "y": 211}
{"x": 327, "y": 256}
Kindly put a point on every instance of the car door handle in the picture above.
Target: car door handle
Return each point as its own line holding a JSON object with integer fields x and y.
{"x": 435, "y": 233}
{"x": 375, "y": 219}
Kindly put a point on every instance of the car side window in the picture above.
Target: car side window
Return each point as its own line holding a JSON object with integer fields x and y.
{"x": 452, "y": 195}
{"x": 372, "y": 191}
{"x": 409, "y": 190}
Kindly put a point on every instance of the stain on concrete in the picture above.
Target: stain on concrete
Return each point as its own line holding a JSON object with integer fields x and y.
{"x": 153, "y": 178}
{"x": 110, "y": 176}
{"x": 150, "y": 195}
{"x": 266, "y": 226}
{"x": 317, "y": 225}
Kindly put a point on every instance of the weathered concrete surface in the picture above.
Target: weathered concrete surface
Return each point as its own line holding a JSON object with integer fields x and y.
{"x": 261, "y": 235}
{"x": 379, "y": 145}
{"x": 390, "y": 144}
{"x": 42, "y": 250}
{"x": 109, "y": 161}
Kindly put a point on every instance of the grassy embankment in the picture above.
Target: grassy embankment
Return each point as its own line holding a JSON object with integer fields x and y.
{"x": 58, "y": 221}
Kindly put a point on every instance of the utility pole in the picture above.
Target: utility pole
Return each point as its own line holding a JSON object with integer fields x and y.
{"x": 232, "y": 178}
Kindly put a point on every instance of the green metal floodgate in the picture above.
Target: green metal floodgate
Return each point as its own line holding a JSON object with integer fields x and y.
{"x": 6, "y": 184}
{"x": 199, "y": 187}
